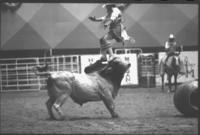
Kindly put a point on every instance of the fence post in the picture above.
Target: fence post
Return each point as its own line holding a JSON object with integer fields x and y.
{"x": 6, "y": 74}
{"x": 1, "y": 79}
{"x": 38, "y": 77}
{"x": 71, "y": 62}
{"x": 63, "y": 64}
{"x": 17, "y": 76}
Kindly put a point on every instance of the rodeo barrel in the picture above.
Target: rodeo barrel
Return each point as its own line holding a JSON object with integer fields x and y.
{"x": 186, "y": 98}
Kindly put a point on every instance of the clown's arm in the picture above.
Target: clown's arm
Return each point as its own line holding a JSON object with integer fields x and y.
{"x": 99, "y": 19}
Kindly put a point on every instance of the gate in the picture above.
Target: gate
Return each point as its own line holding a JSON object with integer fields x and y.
{"x": 148, "y": 70}
{"x": 17, "y": 74}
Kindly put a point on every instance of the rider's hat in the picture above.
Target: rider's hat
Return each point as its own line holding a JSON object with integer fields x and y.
{"x": 171, "y": 36}
{"x": 108, "y": 5}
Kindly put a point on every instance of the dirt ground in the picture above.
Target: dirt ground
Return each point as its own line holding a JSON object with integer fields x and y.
{"x": 141, "y": 110}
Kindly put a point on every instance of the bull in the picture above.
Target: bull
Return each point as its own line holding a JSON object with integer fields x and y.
{"x": 102, "y": 85}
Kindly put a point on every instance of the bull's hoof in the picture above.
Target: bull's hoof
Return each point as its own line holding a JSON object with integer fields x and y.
{"x": 50, "y": 118}
{"x": 61, "y": 118}
{"x": 115, "y": 116}
{"x": 170, "y": 91}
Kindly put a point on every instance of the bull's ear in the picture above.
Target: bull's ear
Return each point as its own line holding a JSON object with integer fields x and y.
{"x": 113, "y": 59}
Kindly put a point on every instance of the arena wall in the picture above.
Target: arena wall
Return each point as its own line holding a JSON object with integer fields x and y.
{"x": 36, "y": 26}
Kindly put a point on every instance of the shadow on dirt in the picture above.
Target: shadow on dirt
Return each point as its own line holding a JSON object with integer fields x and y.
{"x": 88, "y": 118}
{"x": 71, "y": 118}
{"x": 183, "y": 116}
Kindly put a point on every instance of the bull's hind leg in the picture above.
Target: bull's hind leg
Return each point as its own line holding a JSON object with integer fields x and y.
{"x": 58, "y": 103}
{"x": 49, "y": 105}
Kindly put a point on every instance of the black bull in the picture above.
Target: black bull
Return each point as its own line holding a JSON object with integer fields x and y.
{"x": 102, "y": 85}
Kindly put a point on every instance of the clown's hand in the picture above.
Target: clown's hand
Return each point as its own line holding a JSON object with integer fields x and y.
{"x": 92, "y": 18}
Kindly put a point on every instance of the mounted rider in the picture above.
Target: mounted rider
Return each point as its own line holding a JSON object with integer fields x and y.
{"x": 172, "y": 49}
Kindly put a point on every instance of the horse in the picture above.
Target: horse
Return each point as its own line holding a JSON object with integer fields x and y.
{"x": 172, "y": 68}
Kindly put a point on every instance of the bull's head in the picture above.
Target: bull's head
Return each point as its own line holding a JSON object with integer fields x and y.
{"x": 115, "y": 67}
{"x": 115, "y": 71}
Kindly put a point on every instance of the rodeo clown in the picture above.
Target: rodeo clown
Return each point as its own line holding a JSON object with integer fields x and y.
{"x": 117, "y": 31}
{"x": 171, "y": 49}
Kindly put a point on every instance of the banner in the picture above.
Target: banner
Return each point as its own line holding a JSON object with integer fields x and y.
{"x": 190, "y": 60}
{"x": 130, "y": 77}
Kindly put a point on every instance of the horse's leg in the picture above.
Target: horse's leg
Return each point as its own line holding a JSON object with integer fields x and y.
{"x": 162, "y": 74}
{"x": 169, "y": 83}
{"x": 49, "y": 105}
{"x": 162, "y": 77}
{"x": 175, "y": 82}
{"x": 58, "y": 103}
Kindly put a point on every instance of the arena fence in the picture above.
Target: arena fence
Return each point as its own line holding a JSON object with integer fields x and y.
{"x": 128, "y": 51}
{"x": 16, "y": 74}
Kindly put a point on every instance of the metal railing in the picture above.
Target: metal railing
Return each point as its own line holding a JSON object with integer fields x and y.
{"x": 128, "y": 51}
{"x": 16, "y": 74}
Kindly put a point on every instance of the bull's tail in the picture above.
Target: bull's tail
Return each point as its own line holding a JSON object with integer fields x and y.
{"x": 49, "y": 83}
{"x": 41, "y": 70}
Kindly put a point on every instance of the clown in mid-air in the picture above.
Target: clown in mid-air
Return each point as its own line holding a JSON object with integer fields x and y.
{"x": 116, "y": 30}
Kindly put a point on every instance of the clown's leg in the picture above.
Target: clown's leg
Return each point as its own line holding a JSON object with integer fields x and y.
{"x": 125, "y": 37}
{"x": 111, "y": 54}
{"x": 106, "y": 46}
{"x": 103, "y": 55}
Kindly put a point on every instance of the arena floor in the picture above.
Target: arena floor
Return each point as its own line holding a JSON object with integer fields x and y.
{"x": 141, "y": 110}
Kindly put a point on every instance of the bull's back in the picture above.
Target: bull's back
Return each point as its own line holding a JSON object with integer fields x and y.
{"x": 59, "y": 83}
{"x": 85, "y": 88}
{"x": 81, "y": 87}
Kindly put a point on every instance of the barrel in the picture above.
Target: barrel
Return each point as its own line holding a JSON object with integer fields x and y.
{"x": 183, "y": 96}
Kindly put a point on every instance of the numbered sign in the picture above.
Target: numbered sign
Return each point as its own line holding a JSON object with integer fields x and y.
{"x": 130, "y": 77}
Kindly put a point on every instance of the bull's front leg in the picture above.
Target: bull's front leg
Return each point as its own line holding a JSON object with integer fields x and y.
{"x": 109, "y": 103}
